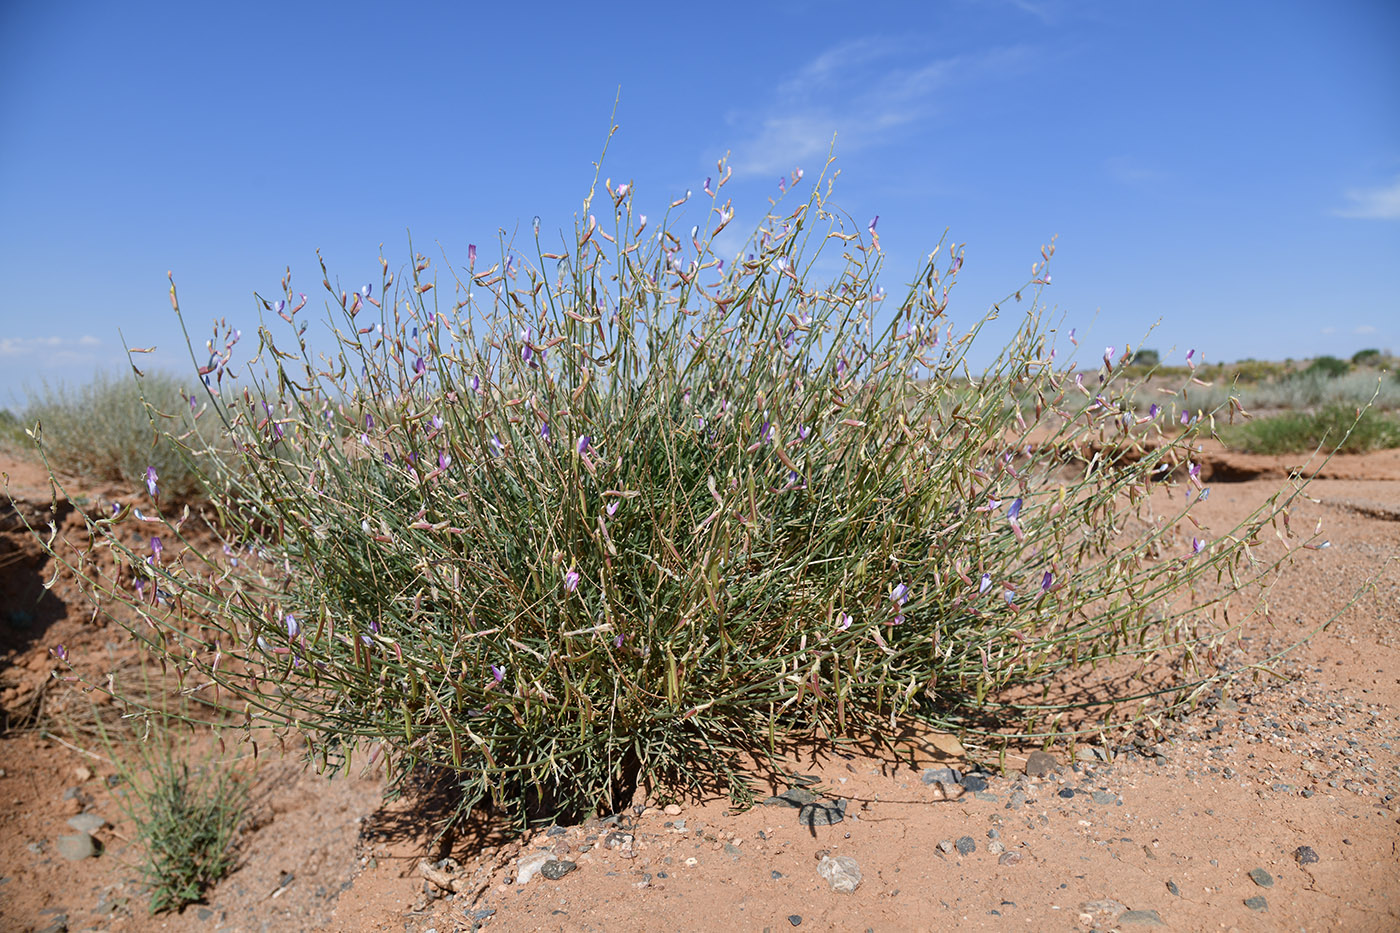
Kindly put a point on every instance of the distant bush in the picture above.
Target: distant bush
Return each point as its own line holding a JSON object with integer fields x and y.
{"x": 1368, "y": 357}
{"x": 105, "y": 431}
{"x": 1328, "y": 366}
{"x": 1333, "y": 428}
{"x": 1146, "y": 358}
{"x": 627, "y": 512}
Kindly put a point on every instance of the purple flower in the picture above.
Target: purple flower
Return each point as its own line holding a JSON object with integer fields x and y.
{"x": 571, "y": 580}
{"x": 1047, "y": 581}
{"x": 1197, "y": 546}
{"x": 151, "y": 482}
{"x": 498, "y": 673}
{"x": 1204, "y": 495}
{"x": 444, "y": 459}
{"x": 1015, "y": 510}
{"x": 1108, "y": 356}
{"x": 873, "y": 222}
{"x": 293, "y": 626}
{"x": 471, "y": 254}
{"x": 59, "y": 652}
{"x": 476, "y": 383}
{"x": 584, "y": 442}
{"x": 612, "y": 507}
{"x": 436, "y": 422}
{"x": 1010, "y": 597}
{"x": 544, "y": 430}
{"x": 1185, "y": 418}
{"x": 1071, "y": 336}
{"x": 617, "y": 642}
{"x": 419, "y": 366}
{"x": 985, "y": 584}
{"x": 899, "y": 594}
{"x": 366, "y": 290}
{"x": 843, "y": 621}
{"x": 1152, "y": 410}
{"x": 157, "y": 548}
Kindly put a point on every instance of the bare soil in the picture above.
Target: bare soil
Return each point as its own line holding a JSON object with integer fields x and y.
{"x": 1166, "y": 832}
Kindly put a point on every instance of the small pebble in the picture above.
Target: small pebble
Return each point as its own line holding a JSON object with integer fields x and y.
{"x": 1171, "y": 886}
{"x": 1305, "y": 855}
{"x": 795, "y": 919}
{"x": 554, "y": 869}
{"x": 1262, "y": 878}
{"x": 945, "y": 845}
{"x": 1009, "y": 858}
{"x": 1256, "y": 903}
{"x": 1040, "y": 763}
{"x": 1103, "y": 798}
{"x": 966, "y": 845}
{"x": 1147, "y": 918}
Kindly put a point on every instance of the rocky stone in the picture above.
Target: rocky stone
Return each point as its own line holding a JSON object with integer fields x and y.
{"x": 995, "y": 847}
{"x": 1040, "y": 763}
{"x": 1008, "y": 858}
{"x": 1305, "y": 855}
{"x": 87, "y": 822}
{"x": 966, "y": 845}
{"x": 842, "y": 873}
{"x": 554, "y": 869}
{"x": 795, "y": 919}
{"x": 673, "y": 809}
{"x": 1257, "y": 902}
{"x": 1102, "y": 912}
{"x": 941, "y": 776}
{"x": 822, "y": 813}
{"x": 1017, "y": 801}
{"x": 1103, "y": 798}
{"x": 76, "y": 846}
{"x": 945, "y": 846}
{"x": 974, "y": 782}
{"x": 795, "y": 797}
{"x": 1262, "y": 878}
{"x": 1171, "y": 886}
{"x": 530, "y": 865}
{"x": 1145, "y": 918}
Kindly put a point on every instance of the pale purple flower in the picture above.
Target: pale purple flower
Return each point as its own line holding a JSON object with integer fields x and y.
{"x": 875, "y": 220}
{"x": 1047, "y": 581}
{"x": 1071, "y": 336}
{"x": 436, "y": 422}
{"x": 59, "y": 652}
{"x": 1152, "y": 410}
{"x": 1204, "y": 495}
{"x": 897, "y": 620}
{"x": 151, "y": 482}
{"x": 444, "y": 459}
{"x": 584, "y": 442}
{"x": 419, "y": 366}
{"x": 1108, "y": 356}
{"x": 1010, "y": 597}
{"x": 571, "y": 580}
{"x": 544, "y": 430}
{"x": 366, "y": 290}
{"x": 612, "y": 507}
{"x": 899, "y": 594}
{"x": 1197, "y": 546}
{"x": 498, "y": 673}
{"x": 293, "y": 626}
{"x": 157, "y": 548}
{"x": 1189, "y": 362}
{"x": 471, "y": 254}
{"x": 1185, "y": 418}
{"x": 985, "y": 584}
{"x": 843, "y": 621}
{"x": 476, "y": 383}
{"x": 1015, "y": 510}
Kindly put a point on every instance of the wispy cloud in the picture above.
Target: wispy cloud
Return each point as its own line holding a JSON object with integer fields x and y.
{"x": 816, "y": 102}
{"x": 51, "y": 349}
{"x": 1364, "y": 329}
{"x": 1372, "y": 203}
{"x": 1127, "y": 170}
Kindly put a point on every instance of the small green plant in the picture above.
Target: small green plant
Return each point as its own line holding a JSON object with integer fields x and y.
{"x": 186, "y": 816}
{"x": 1335, "y": 428}
{"x": 1368, "y": 357}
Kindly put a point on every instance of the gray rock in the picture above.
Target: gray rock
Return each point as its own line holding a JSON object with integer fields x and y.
{"x": 554, "y": 869}
{"x": 941, "y": 776}
{"x": 59, "y": 924}
{"x": 966, "y": 845}
{"x": 1146, "y": 918}
{"x": 1103, "y": 798}
{"x": 1008, "y": 858}
{"x": 1171, "y": 886}
{"x": 795, "y": 919}
{"x": 841, "y": 872}
{"x": 822, "y": 813}
{"x": 87, "y": 822}
{"x": 1067, "y": 793}
{"x": 1039, "y": 764}
{"x": 1306, "y": 855}
{"x": 995, "y": 847}
{"x": 985, "y": 795}
{"x": 795, "y": 797}
{"x": 76, "y": 846}
{"x": 530, "y": 865}
{"x": 1017, "y": 801}
{"x": 974, "y": 782}
{"x": 1104, "y": 911}
{"x": 1262, "y": 878}
{"x": 1257, "y": 902}
{"x": 945, "y": 846}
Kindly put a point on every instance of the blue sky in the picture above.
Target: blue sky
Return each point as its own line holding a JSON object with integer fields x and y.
{"x": 1232, "y": 169}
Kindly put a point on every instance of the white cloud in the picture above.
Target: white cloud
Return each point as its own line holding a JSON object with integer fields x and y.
{"x": 24, "y": 346}
{"x": 1373, "y": 203}
{"x": 1365, "y": 329}
{"x": 1329, "y": 330}
{"x": 855, "y": 92}
{"x": 1129, "y": 171}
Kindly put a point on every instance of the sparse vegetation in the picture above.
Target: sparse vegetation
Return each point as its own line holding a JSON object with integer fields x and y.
{"x": 113, "y": 428}
{"x": 1335, "y": 427}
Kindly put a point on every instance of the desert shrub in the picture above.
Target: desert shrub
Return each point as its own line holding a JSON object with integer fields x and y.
{"x": 1335, "y": 428}
{"x": 11, "y": 433}
{"x": 1328, "y": 366}
{"x": 1148, "y": 359}
{"x": 1368, "y": 357}
{"x": 626, "y": 509}
{"x": 112, "y": 429}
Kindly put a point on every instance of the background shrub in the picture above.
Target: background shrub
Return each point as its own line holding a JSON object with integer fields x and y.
{"x": 112, "y": 429}
{"x": 627, "y": 511}
{"x": 1335, "y": 428}
{"x": 1328, "y": 366}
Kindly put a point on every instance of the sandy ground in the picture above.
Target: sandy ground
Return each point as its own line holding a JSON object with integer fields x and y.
{"x": 1272, "y": 806}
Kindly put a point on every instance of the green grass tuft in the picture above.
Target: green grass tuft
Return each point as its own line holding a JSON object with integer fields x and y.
{"x": 1333, "y": 428}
